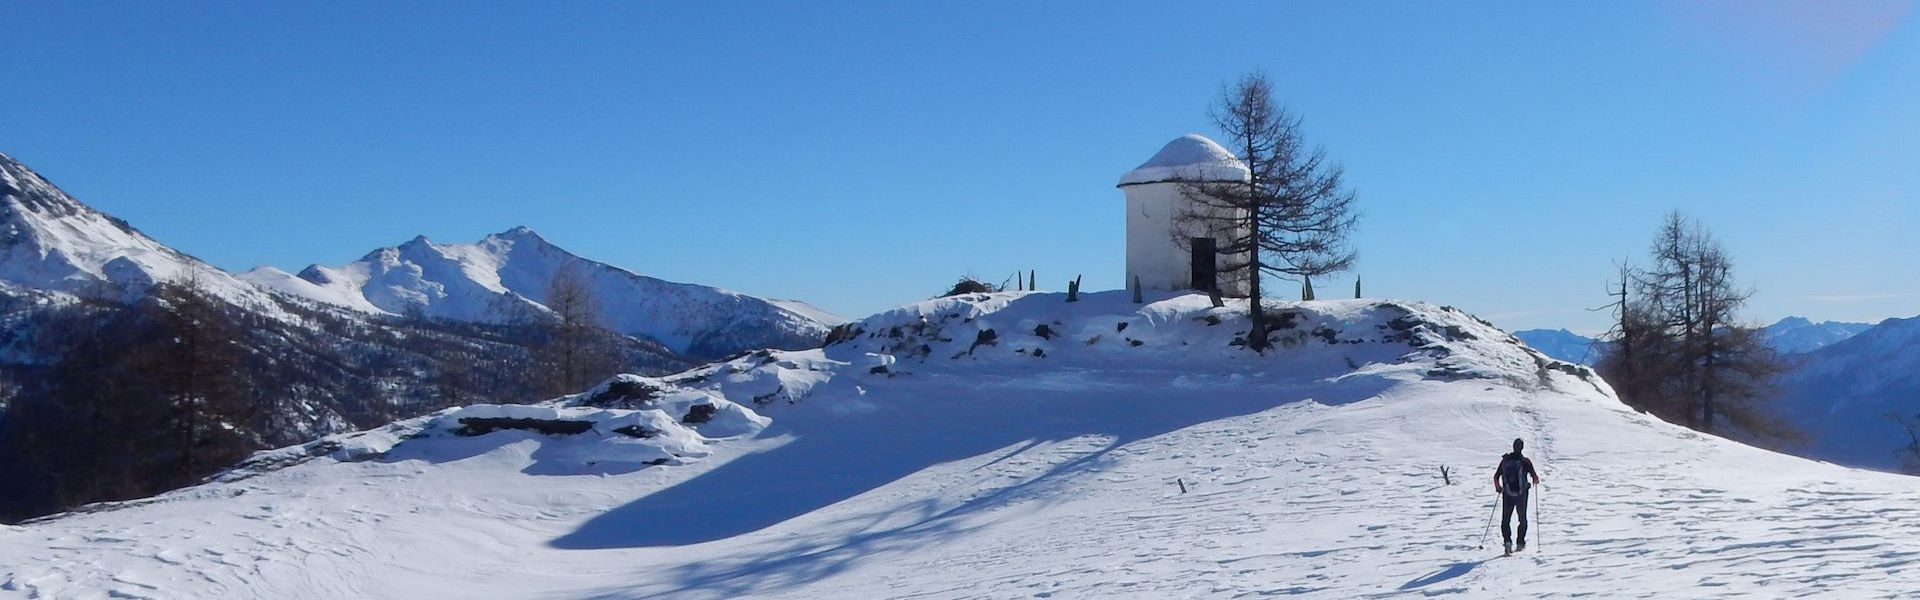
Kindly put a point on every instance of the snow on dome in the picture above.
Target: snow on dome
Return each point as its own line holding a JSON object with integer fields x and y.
{"x": 1187, "y": 158}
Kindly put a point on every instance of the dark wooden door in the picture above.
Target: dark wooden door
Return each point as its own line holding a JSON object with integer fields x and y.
{"x": 1205, "y": 268}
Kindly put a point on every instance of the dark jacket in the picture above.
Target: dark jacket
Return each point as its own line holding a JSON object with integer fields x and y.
{"x": 1524, "y": 462}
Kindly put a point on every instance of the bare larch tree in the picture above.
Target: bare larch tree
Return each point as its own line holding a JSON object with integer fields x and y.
{"x": 1678, "y": 349}
{"x": 575, "y": 352}
{"x": 1290, "y": 217}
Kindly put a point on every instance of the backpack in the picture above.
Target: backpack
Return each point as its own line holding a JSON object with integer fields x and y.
{"x": 1513, "y": 475}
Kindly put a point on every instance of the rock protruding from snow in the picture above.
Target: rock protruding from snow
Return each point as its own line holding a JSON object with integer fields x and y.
{"x": 1191, "y": 157}
{"x": 505, "y": 277}
{"x": 628, "y": 419}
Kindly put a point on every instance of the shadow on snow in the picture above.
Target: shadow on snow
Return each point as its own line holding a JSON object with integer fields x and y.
{"x": 1450, "y": 572}
{"x": 834, "y": 457}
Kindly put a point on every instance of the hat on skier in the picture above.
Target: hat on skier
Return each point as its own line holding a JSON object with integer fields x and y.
{"x": 1517, "y": 444}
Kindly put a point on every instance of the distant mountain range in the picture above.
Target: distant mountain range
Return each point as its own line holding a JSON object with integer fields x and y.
{"x": 1797, "y": 335}
{"x": 1843, "y": 394}
{"x": 1791, "y": 335}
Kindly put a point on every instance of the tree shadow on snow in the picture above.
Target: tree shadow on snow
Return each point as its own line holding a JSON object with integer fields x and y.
{"x": 833, "y": 457}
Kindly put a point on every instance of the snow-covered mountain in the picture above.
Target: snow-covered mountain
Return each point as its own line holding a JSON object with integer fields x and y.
{"x": 1018, "y": 445}
{"x": 507, "y": 275}
{"x": 1562, "y": 344}
{"x": 1842, "y": 394}
{"x": 52, "y": 243}
{"x": 1796, "y": 335}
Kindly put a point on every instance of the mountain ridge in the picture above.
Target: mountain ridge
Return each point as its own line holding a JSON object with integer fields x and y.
{"x": 505, "y": 275}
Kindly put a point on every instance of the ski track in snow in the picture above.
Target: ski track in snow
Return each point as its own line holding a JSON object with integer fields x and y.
{"x": 1030, "y": 482}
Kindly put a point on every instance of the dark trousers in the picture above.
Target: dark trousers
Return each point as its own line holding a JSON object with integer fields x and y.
{"x": 1508, "y": 505}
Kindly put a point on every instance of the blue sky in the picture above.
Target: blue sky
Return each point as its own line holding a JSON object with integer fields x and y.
{"x": 863, "y": 156}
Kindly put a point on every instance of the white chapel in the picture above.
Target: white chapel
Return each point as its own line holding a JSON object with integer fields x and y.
{"x": 1161, "y": 253}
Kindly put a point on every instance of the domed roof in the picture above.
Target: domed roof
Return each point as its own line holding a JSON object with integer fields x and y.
{"x": 1191, "y": 157}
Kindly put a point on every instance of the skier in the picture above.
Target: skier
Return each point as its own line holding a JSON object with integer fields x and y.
{"x": 1510, "y": 481}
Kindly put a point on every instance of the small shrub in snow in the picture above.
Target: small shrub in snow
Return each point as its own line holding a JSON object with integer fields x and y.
{"x": 968, "y": 285}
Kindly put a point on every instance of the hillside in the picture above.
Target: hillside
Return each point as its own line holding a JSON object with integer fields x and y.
{"x": 1016, "y": 445}
{"x": 1842, "y": 394}
{"x": 505, "y": 277}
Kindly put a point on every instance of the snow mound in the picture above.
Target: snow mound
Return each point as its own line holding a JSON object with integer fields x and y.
{"x": 1191, "y": 157}
{"x": 1327, "y": 338}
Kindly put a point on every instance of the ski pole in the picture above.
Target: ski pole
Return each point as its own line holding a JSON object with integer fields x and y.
{"x": 1489, "y": 528}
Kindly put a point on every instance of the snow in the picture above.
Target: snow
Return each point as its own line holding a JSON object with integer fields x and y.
{"x": 51, "y": 242}
{"x": 924, "y": 458}
{"x": 274, "y": 279}
{"x": 1191, "y": 157}
{"x": 505, "y": 276}
{"x": 819, "y": 315}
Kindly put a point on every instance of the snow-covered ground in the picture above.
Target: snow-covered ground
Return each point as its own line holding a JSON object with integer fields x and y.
{"x": 924, "y": 458}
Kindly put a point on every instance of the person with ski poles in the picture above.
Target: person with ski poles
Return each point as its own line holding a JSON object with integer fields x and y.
{"x": 1510, "y": 481}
